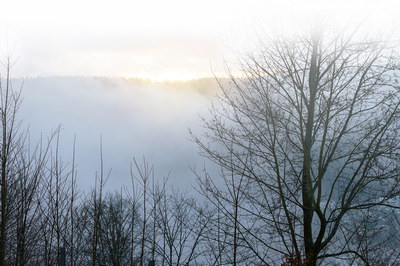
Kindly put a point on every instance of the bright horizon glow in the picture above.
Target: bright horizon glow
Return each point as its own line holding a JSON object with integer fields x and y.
{"x": 158, "y": 40}
{"x": 165, "y": 77}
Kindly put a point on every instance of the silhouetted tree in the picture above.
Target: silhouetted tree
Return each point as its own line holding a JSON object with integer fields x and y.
{"x": 11, "y": 142}
{"x": 181, "y": 228}
{"x": 312, "y": 126}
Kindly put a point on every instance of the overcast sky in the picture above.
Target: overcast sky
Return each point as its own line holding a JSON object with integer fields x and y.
{"x": 155, "y": 39}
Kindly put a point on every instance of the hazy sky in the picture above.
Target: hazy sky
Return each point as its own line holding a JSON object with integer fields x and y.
{"x": 156, "y": 39}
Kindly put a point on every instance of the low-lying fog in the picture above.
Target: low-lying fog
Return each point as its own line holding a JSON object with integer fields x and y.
{"x": 135, "y": 119}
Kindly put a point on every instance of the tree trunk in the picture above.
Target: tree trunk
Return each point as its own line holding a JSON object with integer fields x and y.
{"x": 307, "y": 191}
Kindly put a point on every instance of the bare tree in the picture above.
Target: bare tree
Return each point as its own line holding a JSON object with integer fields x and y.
{"x": 133, "y": 197}
{"x": 181, "y": 228}
{"x": 31, "y": 186}
{"x": 11, "y": 150}
{"x": 97, "y": 210}
{"x": 312, "y": 124}
{"x": 227, "y": 203}
{"x": 115, "y": 236}
{"x": 26, "y": 192}
{"x": 72, "y": 202}
{"x": 144, "y": 172}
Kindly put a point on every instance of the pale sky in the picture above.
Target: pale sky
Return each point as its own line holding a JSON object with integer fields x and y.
{"x": 154, "y": 39}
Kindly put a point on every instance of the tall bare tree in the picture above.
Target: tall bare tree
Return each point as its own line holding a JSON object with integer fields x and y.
{"x": 143, "y": 175}
{"x": 11, "y": 145}
{"x": 312, "y": 124}
{"x": 226, "y": 201}
{"x": 27, "y": 193}
{"x": 181, "y": 226}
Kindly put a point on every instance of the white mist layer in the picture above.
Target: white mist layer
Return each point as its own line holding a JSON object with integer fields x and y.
{"x": 134, "y": 121}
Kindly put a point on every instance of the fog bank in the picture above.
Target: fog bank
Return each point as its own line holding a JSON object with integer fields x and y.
{"x": 135, "y": 118}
